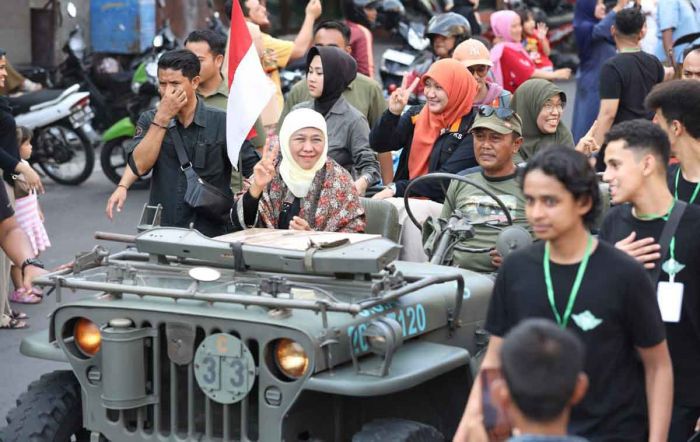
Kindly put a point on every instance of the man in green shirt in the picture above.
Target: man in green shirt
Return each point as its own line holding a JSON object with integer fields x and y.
{"x": 364, "y": 94}
{"x": 496, "y": 139}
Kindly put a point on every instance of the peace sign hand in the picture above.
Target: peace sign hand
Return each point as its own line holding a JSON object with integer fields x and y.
{"x": 399, "y": 98}
{"x": 264, "y": 171}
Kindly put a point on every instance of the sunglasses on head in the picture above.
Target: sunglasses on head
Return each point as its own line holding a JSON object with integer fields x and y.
{"x": 504, "y": 113}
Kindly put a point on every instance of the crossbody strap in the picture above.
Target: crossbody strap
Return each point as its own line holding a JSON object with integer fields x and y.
{"x": 180, "y": 148}
{"x": 674, "y": 218}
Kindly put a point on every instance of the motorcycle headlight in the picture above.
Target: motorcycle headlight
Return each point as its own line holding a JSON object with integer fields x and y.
{"x": 87, "y": 336}
{"x": 291, "y": 358}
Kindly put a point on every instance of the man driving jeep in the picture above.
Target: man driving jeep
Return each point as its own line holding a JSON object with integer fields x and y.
{"x": 497, "y": 136}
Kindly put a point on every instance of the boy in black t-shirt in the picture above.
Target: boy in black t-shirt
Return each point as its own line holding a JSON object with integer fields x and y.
{"x": 626, "y": 78}
{"x": 595, "y": 291}
{"x": 677, "y": 107}
{"x": 636, "y": 159}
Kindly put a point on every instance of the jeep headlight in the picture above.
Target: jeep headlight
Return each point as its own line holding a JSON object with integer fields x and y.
{"x": 87, "y": 336}
{"x": 384, "y": 336}
{"x": 291, "y": 358}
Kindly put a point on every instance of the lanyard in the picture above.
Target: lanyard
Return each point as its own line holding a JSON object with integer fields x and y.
{"x": 562, "y": 321}
{"x": 695, "y": 192}
{"x": 672, "y": 244}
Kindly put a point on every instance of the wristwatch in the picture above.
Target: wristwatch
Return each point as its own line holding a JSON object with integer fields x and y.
{"x": 392, "y": 187}
{"x": 32, "y": 262}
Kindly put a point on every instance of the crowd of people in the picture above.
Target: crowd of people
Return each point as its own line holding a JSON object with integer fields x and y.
{"x": 584, "y": 351}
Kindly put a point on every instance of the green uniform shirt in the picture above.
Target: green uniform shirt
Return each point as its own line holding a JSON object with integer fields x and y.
{"x": 364, "y": 94}
{"x": 479, "y": 207}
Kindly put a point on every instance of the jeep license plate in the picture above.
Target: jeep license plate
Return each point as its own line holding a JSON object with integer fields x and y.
{"x": 224, "y": 368}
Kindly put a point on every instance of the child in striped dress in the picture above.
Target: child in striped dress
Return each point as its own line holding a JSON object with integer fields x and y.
{"x": 31, "y": 220}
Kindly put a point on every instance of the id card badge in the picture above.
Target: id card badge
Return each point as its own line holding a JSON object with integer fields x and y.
{"x": 669, "y": 295}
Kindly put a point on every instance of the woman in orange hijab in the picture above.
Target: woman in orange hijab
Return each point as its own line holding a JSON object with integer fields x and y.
{"x": 434, "y": 138}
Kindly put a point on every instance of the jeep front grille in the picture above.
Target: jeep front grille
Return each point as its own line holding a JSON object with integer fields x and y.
{"x": 182, "y": 410}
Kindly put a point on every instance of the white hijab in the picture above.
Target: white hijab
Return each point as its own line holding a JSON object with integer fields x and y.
{"x": 297, "y": 179}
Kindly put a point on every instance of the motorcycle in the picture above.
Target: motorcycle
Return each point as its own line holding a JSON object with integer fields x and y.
{"x": 144, "y": 88}
{"x": 61, "y": 121}
{"x": 412, "y": 56}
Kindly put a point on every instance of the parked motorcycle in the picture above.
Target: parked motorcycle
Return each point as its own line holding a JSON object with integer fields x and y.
{"x": 61, "y": 121}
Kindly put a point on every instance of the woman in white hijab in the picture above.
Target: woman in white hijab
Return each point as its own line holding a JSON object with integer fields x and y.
{"x": 305, "y": 190}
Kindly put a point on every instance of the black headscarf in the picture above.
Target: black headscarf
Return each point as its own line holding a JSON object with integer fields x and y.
{"x": 339, "y": 70}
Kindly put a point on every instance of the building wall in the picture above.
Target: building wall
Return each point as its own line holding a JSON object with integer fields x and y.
{"x": 15, "y": 37}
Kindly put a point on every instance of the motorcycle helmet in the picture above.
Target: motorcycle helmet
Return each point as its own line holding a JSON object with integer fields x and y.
{"x": 449, "y": 24}
{"x": 354, "y": 11}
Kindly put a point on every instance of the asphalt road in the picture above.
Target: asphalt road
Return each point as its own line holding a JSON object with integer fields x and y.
{"x": 73, "y": 214}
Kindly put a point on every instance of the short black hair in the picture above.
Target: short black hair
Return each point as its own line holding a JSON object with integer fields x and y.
{"x": 678, "y": 100}
{"x": 630, "y": 21}
{"x": 642, "y": 136}
{"x": 572, "y": 170}
{"x": 216, "y": 41}
{"x": 541, "y": 364}
{"x": 180, "y": 60}
{"x": 244, "y": 8}
{"x": 337, "y": 25}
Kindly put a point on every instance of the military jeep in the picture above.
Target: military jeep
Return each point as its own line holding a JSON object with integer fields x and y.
{"x": 258, "y": 336}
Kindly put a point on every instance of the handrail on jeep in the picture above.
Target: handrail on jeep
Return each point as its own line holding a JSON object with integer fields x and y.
{"x": 60, "y": 279}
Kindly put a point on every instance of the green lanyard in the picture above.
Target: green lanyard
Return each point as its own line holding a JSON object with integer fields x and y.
{"x": 695, "y": 192}
{"x": 672, "y": 244}
{"x": 574, "y": 289}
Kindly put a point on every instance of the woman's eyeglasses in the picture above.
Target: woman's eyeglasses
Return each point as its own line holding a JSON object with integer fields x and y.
{"x": 504, "y": 113}
{"x": 549, "y": 106}
{"x": 480, "y": 69}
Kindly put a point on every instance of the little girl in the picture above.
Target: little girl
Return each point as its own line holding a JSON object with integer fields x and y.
{"x": 535, "y": 40}
{"x": 31, "y": 220}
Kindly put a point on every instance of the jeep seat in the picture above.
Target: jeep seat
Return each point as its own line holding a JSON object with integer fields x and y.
{"x": 382, "y": 218}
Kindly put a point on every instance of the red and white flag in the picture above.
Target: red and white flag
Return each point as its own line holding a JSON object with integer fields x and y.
{"x": 249, "y": 88}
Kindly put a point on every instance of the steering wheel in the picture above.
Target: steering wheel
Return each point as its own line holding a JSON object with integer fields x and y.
{"x": 449, "y": 176}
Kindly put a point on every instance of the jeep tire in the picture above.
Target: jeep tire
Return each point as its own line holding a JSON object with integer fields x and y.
{"x": 49, "y": 411}
{"x": 397, "y": 430}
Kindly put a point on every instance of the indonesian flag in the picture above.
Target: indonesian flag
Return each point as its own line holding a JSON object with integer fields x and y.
{"x": 249, "y": 88}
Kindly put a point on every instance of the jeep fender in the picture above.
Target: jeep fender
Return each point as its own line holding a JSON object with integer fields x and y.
{"x": 39, "y": 346}
{"x": 414, "y": 363}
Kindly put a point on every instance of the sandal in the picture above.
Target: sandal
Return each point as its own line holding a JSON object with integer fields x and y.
{"x": 24, "y": 296}
{"x": 16, "y": 314}
{"x": 9, "y": 323}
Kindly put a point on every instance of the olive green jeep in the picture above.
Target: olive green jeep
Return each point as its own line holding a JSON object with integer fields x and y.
{"x": 262, "y": 335}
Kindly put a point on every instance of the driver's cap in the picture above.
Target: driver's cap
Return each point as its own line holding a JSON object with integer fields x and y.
{"x": 496, "y": 124}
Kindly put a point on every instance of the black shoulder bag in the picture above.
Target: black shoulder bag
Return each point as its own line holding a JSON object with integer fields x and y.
{"x": 204, "y": 198}
{"x": 674, "y": 218}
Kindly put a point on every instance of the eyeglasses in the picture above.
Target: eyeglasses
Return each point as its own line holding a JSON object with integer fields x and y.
{"x": 480, "y": 69}
{"x": 549, "y": 106}
{"x": 504, "y": 113}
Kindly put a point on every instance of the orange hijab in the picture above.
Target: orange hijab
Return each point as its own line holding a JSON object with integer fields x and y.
{"x": 461, "y": 89}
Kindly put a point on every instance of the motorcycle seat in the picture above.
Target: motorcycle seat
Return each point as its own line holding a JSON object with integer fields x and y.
{"x": 22, "y": 103}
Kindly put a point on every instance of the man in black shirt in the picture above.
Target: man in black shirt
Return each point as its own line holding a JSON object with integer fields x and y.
{"x": 567, "y": 277}
{"x": 626, "y": 78}
{"x": 677, "y": 107}
{"x": 636, "y": 160}
{"x": 203, "y": 132}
